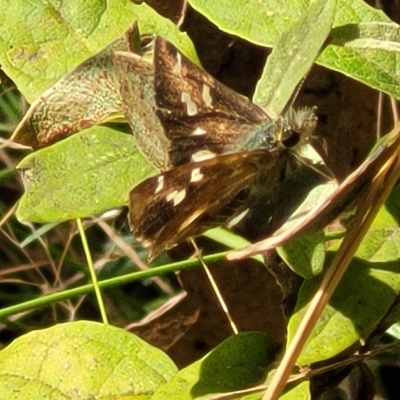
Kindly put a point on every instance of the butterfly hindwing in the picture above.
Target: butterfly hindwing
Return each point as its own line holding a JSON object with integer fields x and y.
{"x": 170, "y": 207}
{"x": 135, "y": 77}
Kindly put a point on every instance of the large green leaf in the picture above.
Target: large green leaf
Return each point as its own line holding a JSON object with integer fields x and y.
{"x": 82, "y": 360}
{"x": 85, "y": 174}
{"x": 262, "y": 22}
{"x": 42, "y": 41}
{"x": 238, "y": 362}
{"x": 368, "y": 52}
{"x": 364, "y": 45}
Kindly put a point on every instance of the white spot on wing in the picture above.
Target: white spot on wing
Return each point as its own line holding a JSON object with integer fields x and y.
{"x": 180, "y": 197}
{"x": 191, "y": 108}
{"x": 206, "y": 96}
{"x": 238, "y": 218}
{"x": 176, "y": 196}
{"x": 171, "y": 196}
{"x": 198, "y": 132}
{"x": 178, "y": 66}
{"x": 160, "y": 184}
{"x": 202, "y": 155}
{"x": 196, "y": 175}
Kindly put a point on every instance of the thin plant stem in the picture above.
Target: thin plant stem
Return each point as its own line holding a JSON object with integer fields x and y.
{"x": 216, "y": 290}
{"x": 107, "y": 283}
{"x": 92, "y": 272}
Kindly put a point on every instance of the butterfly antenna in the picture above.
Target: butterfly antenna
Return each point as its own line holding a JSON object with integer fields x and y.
{"x": 293, "y": 98}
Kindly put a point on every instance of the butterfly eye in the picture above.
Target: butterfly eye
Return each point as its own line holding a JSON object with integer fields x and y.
{"x": 290, "y": 138}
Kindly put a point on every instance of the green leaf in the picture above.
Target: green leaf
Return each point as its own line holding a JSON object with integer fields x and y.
{"x": 301, "y": 391}
{"x": 151, "y": 22}
{"x": 42, "y": 41}
{"x": 364, "y": 295}
{"x": 380, "y": 245}
{"x": 382, "y": 242}
{"x": 305, "y": 256}
{"x": 367, "y": 52}
{"x": 85, "y": 174}
{"x": 260, "y": 22}
{"x": 38, "y": 233}
{"x": 368, "y": 35}
{"x": 365, "y": 42}
{"x": 229, "y": 239}
{"x": 82, "y": 360}
{"x": 293, "y": 55}
{"x": 238, "y": 362}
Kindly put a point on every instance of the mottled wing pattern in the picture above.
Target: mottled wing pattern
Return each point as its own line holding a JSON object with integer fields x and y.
{"x": 199, "y": 113}
{"x": 224, "y": 154}
{"x": 186, "y": 201}
{"x": 179, "y": 113}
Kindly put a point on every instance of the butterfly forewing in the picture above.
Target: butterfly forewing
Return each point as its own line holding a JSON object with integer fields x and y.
{"x": 191, "y": 198}
{"x": 178, "y": 112}
{"x": 198, "y": 112}
{"x": 183, "y": 88}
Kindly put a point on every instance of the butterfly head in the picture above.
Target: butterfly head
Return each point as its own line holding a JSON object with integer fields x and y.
{"x": 298, "y": 127}
{"x": 288, "y": 132}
